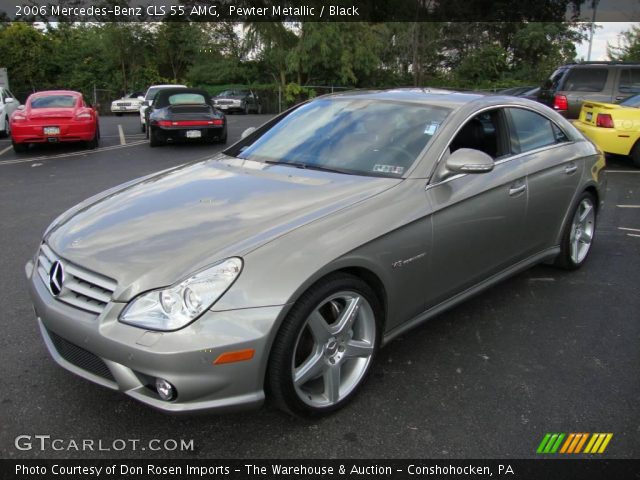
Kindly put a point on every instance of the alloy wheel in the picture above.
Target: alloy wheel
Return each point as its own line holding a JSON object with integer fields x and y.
{"x": 333, "y": 350}
{"x": 582, "y": 230}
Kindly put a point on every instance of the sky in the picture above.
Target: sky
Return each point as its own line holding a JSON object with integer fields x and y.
{"x": 606, "y": 32}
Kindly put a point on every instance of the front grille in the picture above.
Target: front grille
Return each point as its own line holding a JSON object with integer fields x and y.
{"x": 123, "y": 104}
{"x": 80, "y": 357}
{"x": 81, "y": 288}
{"x": 224, "y": 102}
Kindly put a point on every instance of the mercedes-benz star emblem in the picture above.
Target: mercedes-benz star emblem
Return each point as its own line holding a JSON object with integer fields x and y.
{"x": 56, "y": 278}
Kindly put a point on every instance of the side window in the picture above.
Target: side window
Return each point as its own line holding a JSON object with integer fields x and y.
{"x": 481, "y": 133}
{"x": 586, "y": 80}
{"x": 629, "y": 80}
{"x": 532, "y": 129}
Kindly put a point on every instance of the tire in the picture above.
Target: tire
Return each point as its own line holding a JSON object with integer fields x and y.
{"x": 245, "y": 109}
{"x": 635, "y": 155}
{"x": 579, "y": 233}
{"x": 6, "y": 131}
{"x": 154, "y": 141}
{"x": 328, "y": 349}
{"x": 95, "y": 141}
{"x": 118, "y": 114}
{"x": 259, "y": 109}
{"x": 143, "y": 128}
{"x": 20, "y": 147}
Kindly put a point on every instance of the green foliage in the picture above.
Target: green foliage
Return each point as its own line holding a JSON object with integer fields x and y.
{"x": 628, "y": 47}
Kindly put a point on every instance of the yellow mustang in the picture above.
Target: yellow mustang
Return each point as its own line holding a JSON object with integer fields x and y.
{"x": 615, "y": 128}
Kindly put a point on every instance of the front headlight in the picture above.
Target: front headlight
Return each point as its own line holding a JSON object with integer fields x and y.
{"x": 175, "y": 307}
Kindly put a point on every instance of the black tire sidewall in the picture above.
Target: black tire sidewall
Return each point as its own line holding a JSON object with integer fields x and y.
{"x": 279, "y": 380}
{"x": 564, "y": 259}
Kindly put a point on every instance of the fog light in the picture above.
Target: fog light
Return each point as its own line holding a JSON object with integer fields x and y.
{"x": 166, "y": 391}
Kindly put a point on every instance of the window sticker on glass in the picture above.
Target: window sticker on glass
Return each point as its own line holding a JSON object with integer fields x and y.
{"x": 431, "y": 128}
{"x": 388, "y": 169}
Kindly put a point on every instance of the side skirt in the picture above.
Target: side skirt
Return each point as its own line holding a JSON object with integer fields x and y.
{"x": 543, "y": 256}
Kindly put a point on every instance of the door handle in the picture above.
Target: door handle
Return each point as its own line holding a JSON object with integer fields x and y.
{"x": 571, "y": 168}
{"x": 620, "y": 97}
{"x": 517, "y": 189}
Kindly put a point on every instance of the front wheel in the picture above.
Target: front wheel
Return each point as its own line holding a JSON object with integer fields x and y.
{"x": 325, "y": 347}
{"x": 6, "y": 131}
{"x": 578, "y": 235}
{"x": 143, "y": 128}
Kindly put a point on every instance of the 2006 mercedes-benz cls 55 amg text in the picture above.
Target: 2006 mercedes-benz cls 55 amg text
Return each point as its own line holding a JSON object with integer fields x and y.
{"x": 278, "y": 267}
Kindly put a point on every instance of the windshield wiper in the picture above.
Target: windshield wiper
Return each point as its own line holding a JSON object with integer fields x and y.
{"x": 310, "y": 166}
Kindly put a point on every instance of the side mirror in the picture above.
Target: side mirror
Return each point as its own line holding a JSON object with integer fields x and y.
{"x": 9, "y": 100}
{"x": 247, "y": 132}
{"x": 21, "y": 107}
{"x": 468, "y": 160}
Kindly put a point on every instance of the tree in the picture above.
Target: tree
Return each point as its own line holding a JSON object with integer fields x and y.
{"x": 177, "y": 45}
{"x": 24, "y": 53}
{"x": 628, "y": 48}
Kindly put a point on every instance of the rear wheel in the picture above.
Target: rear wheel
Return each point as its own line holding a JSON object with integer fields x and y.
{"x": 245, "y": 110}
{"x": 95, "y": 141}
{"x": 154, "y": 140}
{"x": 635, "y": 155}
{"x": 143, "y": 128}
{"x": 19, "y": 147}
{"x": 578, "y": 235}
{"x": 325, "y": 347}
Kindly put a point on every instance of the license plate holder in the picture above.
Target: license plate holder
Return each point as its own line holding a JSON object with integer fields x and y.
{"x": 52, "y": 130}
{"x": 589, "y": 116}
{"x": 193, "y": 134}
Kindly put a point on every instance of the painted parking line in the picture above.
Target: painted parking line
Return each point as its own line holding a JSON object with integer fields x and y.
{"x": 623, "y": 171}
{"x": 629, "y": 229}
{"x": 73, "y": 154}
{"x": 633, "y": 235}
{"x": 628, "y": 206}
{"x": 121, "y": 135}
{"x": 6, "y": 150}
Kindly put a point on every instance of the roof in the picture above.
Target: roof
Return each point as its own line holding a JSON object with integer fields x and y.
{"x": 430, "y": 96}
{"x": 55, "y": 92}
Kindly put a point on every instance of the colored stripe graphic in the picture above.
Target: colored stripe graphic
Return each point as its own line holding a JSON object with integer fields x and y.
{"x": 572, "y": 443}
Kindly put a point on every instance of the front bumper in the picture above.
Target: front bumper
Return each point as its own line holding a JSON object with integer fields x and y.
{"x": 69, "y": 132}
{"x": 125, "y": 108}
{"x": 129, "y": 359}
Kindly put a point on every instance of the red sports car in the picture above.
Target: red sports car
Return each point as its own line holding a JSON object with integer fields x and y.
{"x": 54, "y": 116}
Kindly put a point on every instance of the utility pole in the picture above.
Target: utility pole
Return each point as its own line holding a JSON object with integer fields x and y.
{"x": 594, "y": 6}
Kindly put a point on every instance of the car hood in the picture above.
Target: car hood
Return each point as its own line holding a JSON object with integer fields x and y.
{"x": 155, "y": 231}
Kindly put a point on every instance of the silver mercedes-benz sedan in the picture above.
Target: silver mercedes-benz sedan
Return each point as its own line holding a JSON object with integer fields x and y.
{"x": 278, "y": 267}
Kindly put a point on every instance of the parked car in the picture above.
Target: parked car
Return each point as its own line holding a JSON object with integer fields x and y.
{"x": 8, "y": 104}
{"x": 615, "y": 128}
{"x": 54, "y": 116}
{"x": 238, "y": 100}
{"x": 184, "y": 114}
{"x": 130, "y": 103}
{"x": 148, "y": 98}
{"x": 570, "y": 85}
{"x": 282, "y": 264}
{"x": 515, "y": 91}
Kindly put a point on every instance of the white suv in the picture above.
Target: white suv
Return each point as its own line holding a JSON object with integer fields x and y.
{"x": 8, "y": 104}
{"x": 148, "y": 98}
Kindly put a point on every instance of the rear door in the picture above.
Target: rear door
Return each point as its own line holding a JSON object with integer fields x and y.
{"x": 553, "y": 172}
{"x": 628, "y": 82}
{"x": 588, "y": 83}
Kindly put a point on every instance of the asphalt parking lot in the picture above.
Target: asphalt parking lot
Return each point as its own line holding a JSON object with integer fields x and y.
{"x": 546, "y": 351}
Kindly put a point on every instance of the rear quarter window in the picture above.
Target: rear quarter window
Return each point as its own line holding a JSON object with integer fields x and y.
{"x": 586, "y": 80}
{"x": 629, "y": 80}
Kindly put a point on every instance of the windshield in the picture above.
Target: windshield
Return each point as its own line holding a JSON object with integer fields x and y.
{"x": 631, "y": 101}
{"x": 364, "y": 137}
{"x": 54, "y": 101}
{"x": 233, "y": 93}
